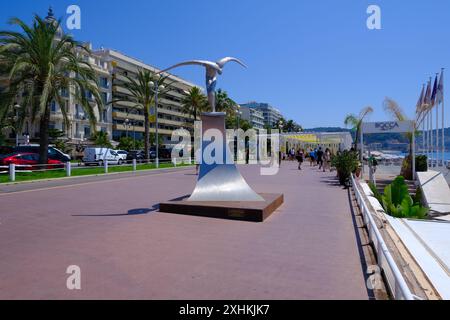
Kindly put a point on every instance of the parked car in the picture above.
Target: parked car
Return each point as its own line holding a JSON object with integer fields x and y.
{"x": 163, "y": 153}
{"x": 98, "y": 155}
{"x": 53, "y": 153}
{"x": 6, "y": 150}
{"x": 122, "y": 153}
{"x": 29, "y": 161}
{"x": 136, "y": 154}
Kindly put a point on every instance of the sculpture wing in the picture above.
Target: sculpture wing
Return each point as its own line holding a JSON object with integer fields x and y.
{"x": 225, "y": 60}
{"x": 203, "y": 63}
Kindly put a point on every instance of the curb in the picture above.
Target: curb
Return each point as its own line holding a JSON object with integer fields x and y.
{"x": 91, "y": 175}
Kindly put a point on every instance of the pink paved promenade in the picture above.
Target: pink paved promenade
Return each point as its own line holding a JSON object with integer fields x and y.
{"x": 126, "y": 249}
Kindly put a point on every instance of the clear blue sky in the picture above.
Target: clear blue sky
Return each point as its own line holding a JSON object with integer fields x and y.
{"x": 315, "y": 60}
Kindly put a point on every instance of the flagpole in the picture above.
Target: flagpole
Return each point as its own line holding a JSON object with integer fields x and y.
{"x": 437, "y": 135}
{"x": 423, "y": 136}
{"x": 430, "y": 137}
{"x": 443, "y": 121}
{"x": 430, "y": 133}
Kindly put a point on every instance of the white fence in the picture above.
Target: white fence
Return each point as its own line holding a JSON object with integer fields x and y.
{"x": 12, "y": 169}
{"x": 396, "y": 283}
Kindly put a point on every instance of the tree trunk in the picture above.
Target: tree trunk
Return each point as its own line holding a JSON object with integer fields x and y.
{"x": 43, "y": 136}
{"x": 147, "y": 132}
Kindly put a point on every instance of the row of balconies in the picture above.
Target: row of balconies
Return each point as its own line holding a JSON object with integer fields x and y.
{"x": 123, "y": 127}
{"x": 138, "y": 117}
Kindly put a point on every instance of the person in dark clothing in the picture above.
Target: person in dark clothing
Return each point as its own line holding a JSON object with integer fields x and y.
{"x": 300, "y": 156}
{"x": 319, "y": 156}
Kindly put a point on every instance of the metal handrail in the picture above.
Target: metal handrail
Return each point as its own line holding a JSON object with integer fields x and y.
{"x": 399, "y": 288}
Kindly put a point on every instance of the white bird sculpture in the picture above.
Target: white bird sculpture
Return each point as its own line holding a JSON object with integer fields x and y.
{"x": 212, "y": 69}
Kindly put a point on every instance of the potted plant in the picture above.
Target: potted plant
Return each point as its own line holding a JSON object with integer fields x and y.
{"x": 345, "y": 163}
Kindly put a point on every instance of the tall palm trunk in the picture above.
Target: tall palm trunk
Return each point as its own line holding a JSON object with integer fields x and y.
{"x": 43, "y": 135}
{"x": 147, "y": 132}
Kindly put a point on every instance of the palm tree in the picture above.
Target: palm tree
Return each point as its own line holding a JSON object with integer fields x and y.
{"x": 291, "y": 126}
{"x": 39, "y": 62}
{"x": 356, "y": 121}
{"x": 397, "y": 113}
{"x": 194, "y": 102}
{"x": 142, "y": 94}
{"x": 225, "y": 104}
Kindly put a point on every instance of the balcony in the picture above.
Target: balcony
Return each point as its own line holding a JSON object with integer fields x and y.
{"x": 122, "y": 127}
{"x": 131, "y": 116}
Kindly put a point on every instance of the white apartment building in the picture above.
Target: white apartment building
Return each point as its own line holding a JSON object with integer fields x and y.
{"x": 271, "y": 115}
{"x": 170, "y": 115}
{"x": 254, "y": 116}
{"x": 79, "y": 128}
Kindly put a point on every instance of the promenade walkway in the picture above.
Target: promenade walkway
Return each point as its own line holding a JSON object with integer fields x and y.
{"x": 125, "y": 248}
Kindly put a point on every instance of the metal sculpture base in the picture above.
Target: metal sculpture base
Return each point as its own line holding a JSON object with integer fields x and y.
{"x": 220, "y": 181}
{"x": 254, "y": 211}
{"x": 221, "y": 191}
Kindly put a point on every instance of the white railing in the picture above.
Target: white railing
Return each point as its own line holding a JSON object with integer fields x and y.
{"x": 396, "y": 283}
{"x": 12, "y": 169}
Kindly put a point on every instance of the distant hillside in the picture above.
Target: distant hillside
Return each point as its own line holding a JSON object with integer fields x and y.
{"x": 383, "y": 138}
{"x": 327, "y": 129}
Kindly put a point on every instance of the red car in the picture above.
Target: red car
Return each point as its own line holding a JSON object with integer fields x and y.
{"x": 29, "y": 161}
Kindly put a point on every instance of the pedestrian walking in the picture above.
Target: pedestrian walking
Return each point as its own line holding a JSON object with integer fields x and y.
{"x": 312, "y": 157}
{"x": 326, "y": 160}
{"x": 300, "y": 156}
{"x": 319, "y": 156}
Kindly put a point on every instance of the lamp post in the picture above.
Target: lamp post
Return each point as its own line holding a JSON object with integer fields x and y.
{"x": 16, "y": 108}
{"x": 280, "y": 126}
{"x": 238, "y": 116}
{"x": 127, "y": 121}
{"x": 132, "y": 123}
{"x": 134, "y": 135}
{"x": 155, "y": 92}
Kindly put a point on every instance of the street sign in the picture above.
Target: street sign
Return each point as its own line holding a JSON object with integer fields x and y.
{"x": 388, "y": 127}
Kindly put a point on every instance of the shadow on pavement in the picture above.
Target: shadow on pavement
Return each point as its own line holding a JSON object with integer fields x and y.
{"x": 131, "y": 212}
{"x": 332, "y": 182}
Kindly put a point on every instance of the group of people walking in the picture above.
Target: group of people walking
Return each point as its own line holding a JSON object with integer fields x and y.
{"x": 317, "y": 157}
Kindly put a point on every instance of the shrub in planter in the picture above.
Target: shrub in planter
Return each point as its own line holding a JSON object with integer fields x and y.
{"x": 345, "y": 163}
{"x": 397, "y": 202}
{"x": 421, "y": 163}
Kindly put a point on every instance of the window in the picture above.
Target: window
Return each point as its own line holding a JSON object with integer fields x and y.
{"x": 53, "y": 106}
{"x": 104, "y": 116}
{"x": 64, "y": 92}
{"x": 104, "y": 97}
{"x": 104, "y": 82}
{"x": 28, "y": 157}
{"x": 87, "y": 132}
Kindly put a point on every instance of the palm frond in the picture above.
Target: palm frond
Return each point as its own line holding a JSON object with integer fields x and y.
{"x": 392, "y": 108}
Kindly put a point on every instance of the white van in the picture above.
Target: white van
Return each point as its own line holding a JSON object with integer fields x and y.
{"x": 98, "y": 155}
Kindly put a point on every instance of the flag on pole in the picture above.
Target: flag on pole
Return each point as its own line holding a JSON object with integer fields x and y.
{"x": 420, "y": 101}
{"x": 419, "y": 106}
{"x": 434, "y": 91}
{"x": 440, "y": 89}
{"x": 427, "y": 99}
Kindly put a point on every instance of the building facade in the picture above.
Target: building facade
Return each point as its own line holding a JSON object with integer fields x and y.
{"x": 127, "y": 119}
{"x": 118, "y": 117}
{"x": 79, "y": 128}
{"x": 253, "y": 116}
{"x": 271, "y": 114}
